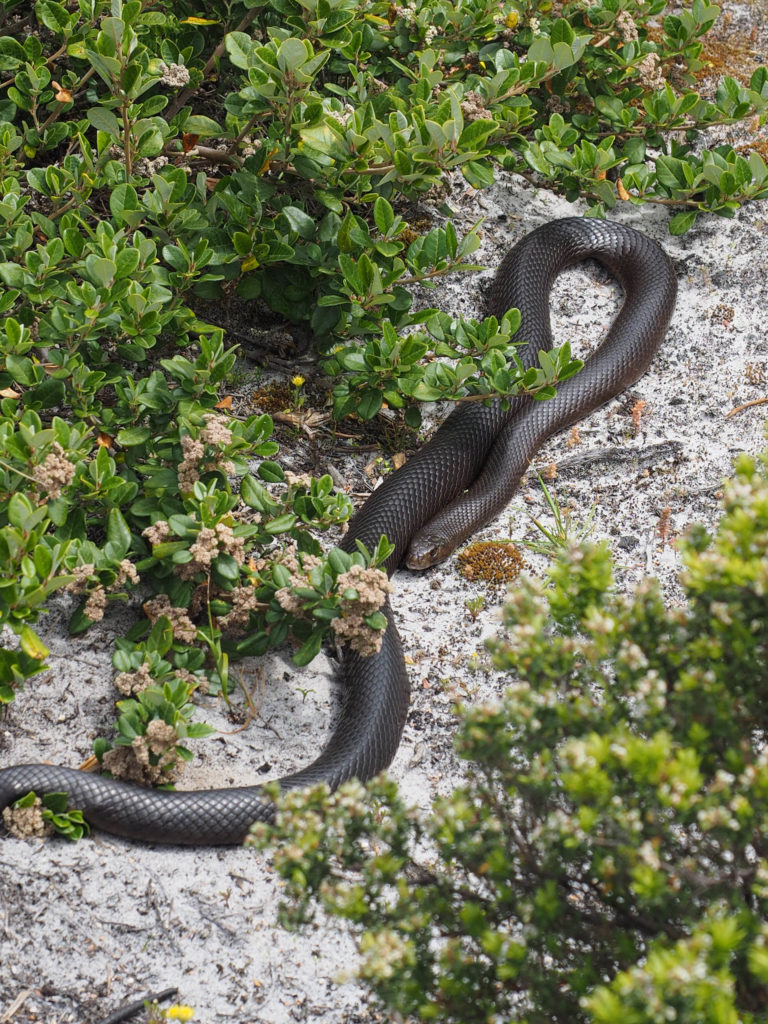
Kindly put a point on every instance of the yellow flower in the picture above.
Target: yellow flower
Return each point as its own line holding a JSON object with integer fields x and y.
{"x": 297, "y": 381}
{"x": 179, "y": 1013}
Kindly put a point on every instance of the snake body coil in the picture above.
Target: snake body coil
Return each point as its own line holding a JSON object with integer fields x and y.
{"x": 424, "y": 511}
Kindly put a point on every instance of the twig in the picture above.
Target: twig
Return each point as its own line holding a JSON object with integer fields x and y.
{"x": 15, "y": 1005}
{"x": 176, "y": 104}
{"x": 746, "y": 405}
{"x": 57, "y": 110}
{"x": 131, "y": 1009}
{"x": 212, "y": 155}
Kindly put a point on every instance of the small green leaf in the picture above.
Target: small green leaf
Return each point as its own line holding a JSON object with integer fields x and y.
{"x": 20, "y": 511}
{"x": 12, "y": 275}
{"x": 101, "y": 270}
{"x": 199, "y": 124}
{"x": 25, "y": 801}
{"x": 227, "y": 567}
{"x": 383, "y": 215}
{"x": 104, "y": 121}
{"x": 299, "y": 221}
{"x": 118, "y": 532}
{"x": 376, "y": 620}
{"x": 270, "y": 471}
{"x": 239, "y": 49}
{"x": 281, "y": 524}
{"x": 124, "y": 205}
{"x": 339, "y": 560}
{"x": 21, "y": 369}
{"x": 54, "y": 16}
{"x": 310, "y": 648}
{"x": 682, "y": 222}
{"x": 256, "y": 495}
{"x": 32, "y": 645}
{"x": 412, "y": 417}
{"x": 369, "y": 405}
{"x": 132, "y": 436}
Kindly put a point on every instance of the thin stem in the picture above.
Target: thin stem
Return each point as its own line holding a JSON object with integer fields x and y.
{"x": 54, "y": 115}
{"x": 176, "y": 104}
{"x": 127, "y": 141}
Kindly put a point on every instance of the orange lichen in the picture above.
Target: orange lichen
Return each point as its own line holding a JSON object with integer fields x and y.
{"x": 755, "y": 373}
{"x": 274, "y": 397}
{"x": 493, "y": 562}
{"x": 729, "y": 53}
{"x": 638, "y": 411}
{"x": 663, "y": 525}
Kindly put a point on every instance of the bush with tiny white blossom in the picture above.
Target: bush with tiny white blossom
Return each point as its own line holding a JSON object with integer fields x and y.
{"x": 607, "y": 857}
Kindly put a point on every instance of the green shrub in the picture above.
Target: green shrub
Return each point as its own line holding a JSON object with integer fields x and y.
{"x": 606, "y": 857}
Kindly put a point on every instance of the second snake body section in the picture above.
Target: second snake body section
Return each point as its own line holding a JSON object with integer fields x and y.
{"x": 456, "y": 483}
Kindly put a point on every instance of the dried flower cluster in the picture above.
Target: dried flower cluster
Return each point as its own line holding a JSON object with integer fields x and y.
{"x": 367, "y": 589}
{"x": 244, "y": 601}
{"x": 298, "y": 479}
{"x": 216, "y": 430}
{"x": 150, "y": 759}
{"x": 54, "y": 473}
{"x": 215, "y": 433}
{"x": 372, "y": 587}
{"x": 131, "y": 683}
{"x": 174, "y": 75}
{"x": 299, "y": 567}
{"x": 157, "y": 533}
{"x": 212, "y": 541}
{"x": 27, "y": 822}
{"x": 82, "y": 574}
{"x": 127, "y": 573}
{"x": 189, "y": 467}
{"x": 96, "y": 602}
{"x": 473, "y": 105}
{"x": 183, "y": 627}
{"x": 625, "y": 23}
{"x": 651, "y": 75}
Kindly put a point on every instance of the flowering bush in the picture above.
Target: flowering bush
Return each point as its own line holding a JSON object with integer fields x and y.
{"x": 606, "y": 858}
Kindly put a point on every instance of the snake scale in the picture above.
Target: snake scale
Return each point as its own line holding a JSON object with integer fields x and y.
{"x": 425, "y": 510}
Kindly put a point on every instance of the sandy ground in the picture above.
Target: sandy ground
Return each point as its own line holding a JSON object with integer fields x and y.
{"x": 86, "y": 927}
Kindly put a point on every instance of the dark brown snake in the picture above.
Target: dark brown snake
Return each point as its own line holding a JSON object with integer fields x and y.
{"x": 424, "y": 511}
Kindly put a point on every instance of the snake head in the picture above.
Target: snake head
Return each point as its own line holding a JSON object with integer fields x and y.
{"x": 428, "y": 549}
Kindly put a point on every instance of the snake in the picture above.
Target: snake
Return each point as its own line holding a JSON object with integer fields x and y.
{"x": 453, "y": 485}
